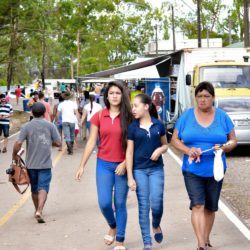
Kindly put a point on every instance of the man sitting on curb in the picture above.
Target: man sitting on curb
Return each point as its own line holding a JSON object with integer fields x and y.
{"x": 39, "y": 135}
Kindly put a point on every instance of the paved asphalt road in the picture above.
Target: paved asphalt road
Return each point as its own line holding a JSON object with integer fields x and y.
{"x": 74, "y": 221}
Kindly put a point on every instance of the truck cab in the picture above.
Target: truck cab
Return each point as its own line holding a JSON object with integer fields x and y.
{"x": 231, "y": 82}
{"x": 229, "y": 78}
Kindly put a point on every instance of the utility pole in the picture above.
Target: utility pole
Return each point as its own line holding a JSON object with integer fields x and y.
{"x": 71, "y": 66}
{"x": 78, "y": 52}
{"x": 207, "y": 36}
{"x": 173, "y": 28}
{"x": 156, "y": 39}
{"x": 246, "y": 24}
{"x": 12, "y": 50}
{"x": 230, "y": 30}
{"x": 199, "y": 22}
{"x": 43, "y": 60}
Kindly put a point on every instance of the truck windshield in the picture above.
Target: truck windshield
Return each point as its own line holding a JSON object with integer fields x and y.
{"x": 226, "y": 76}
{"x": 234, "y": 105}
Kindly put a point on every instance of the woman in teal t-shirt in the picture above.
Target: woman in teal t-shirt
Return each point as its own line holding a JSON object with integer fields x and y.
{"x": 197, "y": 130}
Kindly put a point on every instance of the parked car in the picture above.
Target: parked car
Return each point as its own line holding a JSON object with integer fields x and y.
{"x": 239, "y": 111}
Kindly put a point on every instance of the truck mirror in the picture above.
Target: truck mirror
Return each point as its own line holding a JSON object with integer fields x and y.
{"x": 188, "y": 79}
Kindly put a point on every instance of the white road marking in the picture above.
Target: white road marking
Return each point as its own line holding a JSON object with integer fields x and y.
{"x": 226, "y": 210}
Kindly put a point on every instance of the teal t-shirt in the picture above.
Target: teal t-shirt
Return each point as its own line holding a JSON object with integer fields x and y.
{"x": 195, "y": 135}
{"x": 62, "y": 87}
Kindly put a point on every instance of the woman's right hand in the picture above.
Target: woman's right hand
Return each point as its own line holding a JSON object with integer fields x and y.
{"x": 132, "y": 184}
{"x": 79, "y": 173}
{"x": 194, "y": 152}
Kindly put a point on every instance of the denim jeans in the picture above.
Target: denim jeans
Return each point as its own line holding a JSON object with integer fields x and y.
{"x": 69, "y": 131}
{"x": 106, "y": 180}
{"x": 40, "y": 179}
{"x": 149, "y": 190}
{"x": 203, "y": 191}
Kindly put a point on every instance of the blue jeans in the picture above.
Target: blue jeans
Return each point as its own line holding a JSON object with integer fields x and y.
{"x": 106, "y": 180}
{"x": 149, "y": 190}
{"x": 69, "y": 131}
{"x": 40, "y": 179}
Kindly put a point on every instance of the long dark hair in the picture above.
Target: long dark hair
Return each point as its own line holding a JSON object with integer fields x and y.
{"x": 91, "y": 99}
{"x": 145, "y": 99}
{"x": 126, "y": 115}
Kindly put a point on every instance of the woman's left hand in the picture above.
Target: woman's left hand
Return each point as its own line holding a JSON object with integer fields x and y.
{"x": 218, "y": 146}
{"x": 156, "y": 154}
{"x": 121, "y": 169}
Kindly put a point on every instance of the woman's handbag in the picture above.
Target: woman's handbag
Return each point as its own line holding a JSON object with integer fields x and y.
{"x": 18, "y": 175}
{"x": 218, "y": 165}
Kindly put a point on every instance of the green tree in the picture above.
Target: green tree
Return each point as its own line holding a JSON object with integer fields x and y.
{"x": 48, "y": 36}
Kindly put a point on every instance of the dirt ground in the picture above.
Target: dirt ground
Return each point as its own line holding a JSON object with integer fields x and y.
{"x": 17, "y": 120}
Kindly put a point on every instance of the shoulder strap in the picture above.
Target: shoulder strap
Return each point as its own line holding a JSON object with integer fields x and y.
{"x": 18, "y": 189}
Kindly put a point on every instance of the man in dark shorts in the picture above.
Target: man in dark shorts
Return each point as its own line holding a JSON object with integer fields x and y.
{"x": 6, "y": 112}
{"x": 39, "y": 135}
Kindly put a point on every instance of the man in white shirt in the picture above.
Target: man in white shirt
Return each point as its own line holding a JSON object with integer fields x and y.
{"x": 68, "y": 109}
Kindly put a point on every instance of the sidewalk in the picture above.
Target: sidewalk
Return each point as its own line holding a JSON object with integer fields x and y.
{"x": 74, "y": 221}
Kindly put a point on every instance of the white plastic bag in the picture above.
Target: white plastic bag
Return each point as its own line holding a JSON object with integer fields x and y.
{"x": 218, "y": 165}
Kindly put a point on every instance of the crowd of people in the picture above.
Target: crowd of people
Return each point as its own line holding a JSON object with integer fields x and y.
{"x": 131, "y": 140}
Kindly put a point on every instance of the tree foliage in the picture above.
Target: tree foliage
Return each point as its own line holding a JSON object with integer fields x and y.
{"x": 217, "y": 21}
{"x": 41, "y": 36}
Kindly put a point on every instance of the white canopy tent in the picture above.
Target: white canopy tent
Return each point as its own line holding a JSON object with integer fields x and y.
{"x": 147, "y": 72}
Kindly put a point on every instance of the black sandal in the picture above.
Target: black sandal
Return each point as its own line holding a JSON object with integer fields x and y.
{"x": 208, "y": 244}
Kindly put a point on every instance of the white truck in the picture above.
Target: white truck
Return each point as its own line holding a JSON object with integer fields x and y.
{"x": 227, "y": 69}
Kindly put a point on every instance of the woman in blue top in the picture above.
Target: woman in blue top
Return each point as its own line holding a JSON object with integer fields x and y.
{"x": 199, "y": 129}
{"x": 146, "y": 144}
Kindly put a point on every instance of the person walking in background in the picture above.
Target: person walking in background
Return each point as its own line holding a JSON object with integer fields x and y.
{"x": 34, "y": 97}
{"x": 58, "y": 122}
{"x": 146, "y": 143}
{"x": 199, "y": 129}
{"x": 97, "y": 92}
{"x": 7, "y": 97}
{"x": 77, "y": 131}
{"x": 50, "y": 96}
{"x": 18, "y": 92}
{"x": 89, "y": 110}
{"x": 39, "y": 135}
{"x": 6, "y": 112}
{"x": 83, "y": 129}
{"x": 62, "y": 87}
{"x": 68, "y": 108}
{"x": 111, "y": 124}
{"x": 46, "y": 104}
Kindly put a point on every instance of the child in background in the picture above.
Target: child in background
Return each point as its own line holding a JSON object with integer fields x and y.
{"x": 77, "y": 130}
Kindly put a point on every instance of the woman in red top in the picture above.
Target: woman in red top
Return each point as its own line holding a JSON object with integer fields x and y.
{"x": 112, "y": 125}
